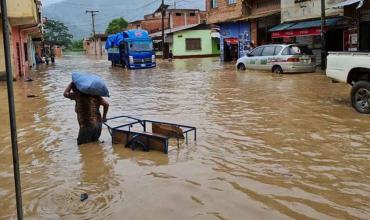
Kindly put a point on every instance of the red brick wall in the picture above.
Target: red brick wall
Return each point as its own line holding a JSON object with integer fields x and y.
{"x": 224, "y": 11}
{"x": 262, "y": 6}
{"x": 178, "y": 21}
{"x": 192, "y": 19}
{"x": 254, "y": 32}
{"x": 153, "y": 25}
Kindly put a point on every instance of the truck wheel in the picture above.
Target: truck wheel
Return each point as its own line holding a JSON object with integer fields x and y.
{"x": 241, "y": 66}
{"x": 360, "y": 97}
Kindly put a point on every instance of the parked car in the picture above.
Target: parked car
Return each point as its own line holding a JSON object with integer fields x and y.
{"x": 352, "y": 68}
{"x": 279, "y": 58}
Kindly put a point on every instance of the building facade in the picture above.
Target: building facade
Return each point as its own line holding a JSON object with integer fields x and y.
{"x": 25, "y": 25}
{"x": 89, "y": 45}
{"x": 198, "y": 41}
{"x": 173, "y": 18}
{"x": 301, "y": 23}
{"x": 234, "y": 33}
{"x": 243, "y": 24}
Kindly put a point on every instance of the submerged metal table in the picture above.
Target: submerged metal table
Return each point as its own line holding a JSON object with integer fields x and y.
{"x": 157, "y": 139}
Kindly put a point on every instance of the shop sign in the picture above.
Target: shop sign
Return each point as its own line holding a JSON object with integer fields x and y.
{"x": 294, "y": 33}
{"x": 231, "y": 40}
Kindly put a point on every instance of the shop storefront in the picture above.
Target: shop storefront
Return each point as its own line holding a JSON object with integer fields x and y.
{"x": 357, "y": 36}
{"x": 308, "y": 32}
{"x": 364, "y": 29}
{"x": 234, "y": 40}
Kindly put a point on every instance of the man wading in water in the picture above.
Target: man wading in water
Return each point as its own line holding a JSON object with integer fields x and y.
{"x": 88, "y": 114}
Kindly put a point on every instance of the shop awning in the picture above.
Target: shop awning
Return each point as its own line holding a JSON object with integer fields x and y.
{"x": 303, "y": 28}
{"x": 347, "y": 3}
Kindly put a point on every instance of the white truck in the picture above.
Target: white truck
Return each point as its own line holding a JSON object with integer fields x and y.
{"x": 352, "y": 68}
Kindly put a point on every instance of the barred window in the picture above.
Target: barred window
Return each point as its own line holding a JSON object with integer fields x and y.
{"x": 193, "y": 44}
{"x": 213, "y": 3}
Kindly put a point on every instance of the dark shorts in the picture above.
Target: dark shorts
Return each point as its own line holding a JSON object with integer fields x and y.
{"x": 89, "y": 134}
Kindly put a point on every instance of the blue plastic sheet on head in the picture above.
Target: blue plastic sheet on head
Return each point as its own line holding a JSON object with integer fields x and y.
{"x": 90, "y": 84}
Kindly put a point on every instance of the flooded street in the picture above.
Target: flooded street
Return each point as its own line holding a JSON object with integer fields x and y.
{"x": 287, "y": 147}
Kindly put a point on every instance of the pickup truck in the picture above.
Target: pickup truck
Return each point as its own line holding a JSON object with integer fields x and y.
{"x": 352, "y": 68}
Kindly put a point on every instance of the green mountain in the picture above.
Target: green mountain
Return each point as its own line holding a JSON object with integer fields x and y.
{"x": 73, "y": 13}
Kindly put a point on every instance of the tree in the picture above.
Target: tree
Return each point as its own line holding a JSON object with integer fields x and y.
{"x": 116, "y": 25}
{"x": 56, "y": 32}
{"x": 77, "y": 45}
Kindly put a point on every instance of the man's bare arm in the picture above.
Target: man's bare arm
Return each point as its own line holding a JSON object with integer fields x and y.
{"x": 105, "y": 104}
{"x": 67, "y": 92}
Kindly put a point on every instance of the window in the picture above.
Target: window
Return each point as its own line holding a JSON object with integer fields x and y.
{"x": 257, "y": 51}
{"x": 230, "y": 2}
{"x": 285, "y": 51}
{"x": 277, "y": 50}
{"x": 179, "y": 14}
{"x": 193, "y": 44}
{"x": 268, "y": 51}
{"x": 213, "y": 3}
{"x": 25, "y": 51}
{"x": 192, "y": 14}
{"x": 297, "y": 50}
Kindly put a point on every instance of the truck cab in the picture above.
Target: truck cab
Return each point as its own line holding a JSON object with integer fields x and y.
{"x": 132, "y": 49}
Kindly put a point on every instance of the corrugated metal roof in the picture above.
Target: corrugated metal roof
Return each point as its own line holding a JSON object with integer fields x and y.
{"x": 306, "y": 24}
{"x": 173, "y": 30}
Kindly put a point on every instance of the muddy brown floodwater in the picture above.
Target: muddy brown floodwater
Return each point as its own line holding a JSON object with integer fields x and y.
{"x": 287, "y": 147}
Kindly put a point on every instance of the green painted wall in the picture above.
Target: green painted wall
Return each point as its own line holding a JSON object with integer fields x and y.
{"x": 209, "y": 45}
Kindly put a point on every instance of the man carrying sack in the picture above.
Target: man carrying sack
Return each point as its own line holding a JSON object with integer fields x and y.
{"x": 87, "y": 91}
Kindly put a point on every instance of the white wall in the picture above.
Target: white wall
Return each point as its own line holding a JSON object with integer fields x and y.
{"x": 291, "y": 11}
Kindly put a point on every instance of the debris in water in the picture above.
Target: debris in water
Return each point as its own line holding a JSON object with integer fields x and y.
{"x": 31, "y": 96}
{"x": 83, "y": 197}
{"x": 29, "y": 79}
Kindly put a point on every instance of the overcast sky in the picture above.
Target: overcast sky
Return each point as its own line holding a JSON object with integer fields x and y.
{"x": 200, "y": 3}
{"x": 47, "y": 2}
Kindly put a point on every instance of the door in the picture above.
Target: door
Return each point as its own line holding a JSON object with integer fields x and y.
{"x": 266, "y": 57}
{"x": 253, "y": 58}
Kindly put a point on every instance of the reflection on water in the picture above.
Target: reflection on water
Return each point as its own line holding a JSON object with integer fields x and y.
{"x": 268, "y": 147}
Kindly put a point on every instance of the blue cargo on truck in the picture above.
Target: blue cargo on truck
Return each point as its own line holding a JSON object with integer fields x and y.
{"x": 132, "y": 49}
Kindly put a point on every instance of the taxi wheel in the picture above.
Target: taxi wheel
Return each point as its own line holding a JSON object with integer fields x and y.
{"x": 277, "y": 70}
{"x": 241, "y": 66}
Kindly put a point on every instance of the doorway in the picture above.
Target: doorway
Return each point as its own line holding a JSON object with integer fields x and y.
{"x": 231, "y": 49}
{"x": 365, "y": 36}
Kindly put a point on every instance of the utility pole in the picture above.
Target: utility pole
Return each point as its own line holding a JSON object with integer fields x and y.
{"x": 12, "y": 117}
{"x": 93, "y": 14}
{"x": 322, "y": 34}
{"x": 163, "y": 14}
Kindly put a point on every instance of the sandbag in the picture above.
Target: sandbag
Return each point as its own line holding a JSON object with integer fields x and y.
{"x": 90, "y": 84}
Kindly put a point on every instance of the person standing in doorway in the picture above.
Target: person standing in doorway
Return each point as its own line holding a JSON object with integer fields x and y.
{"x": 88, "y": 114}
